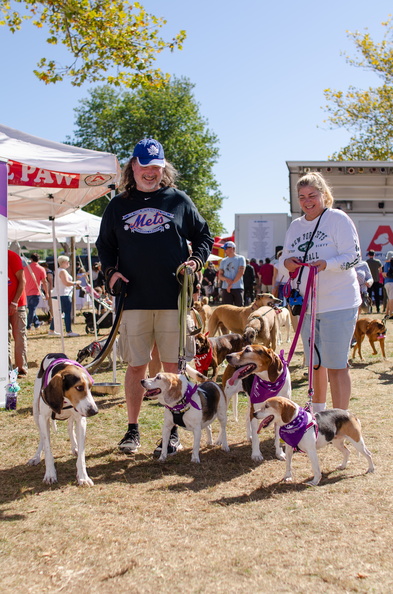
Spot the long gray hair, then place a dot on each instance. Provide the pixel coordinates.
(128, 180)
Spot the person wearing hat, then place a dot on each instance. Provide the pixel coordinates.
(375, 267)
(231, 273)
(387, 274)
(143, 240)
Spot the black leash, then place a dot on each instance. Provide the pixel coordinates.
(113, 333)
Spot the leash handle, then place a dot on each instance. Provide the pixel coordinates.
(184, 304)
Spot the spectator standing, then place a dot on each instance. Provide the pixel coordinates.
(256, 267)
(64, 286)
(143, 240)
(98, 277)
(249, 283)
(208, 280)
(231, 273)
(17, 313)
(36, 285)
(50, 284)
(387, 274)
(266, 272)
(328, 240)
(375, 267)
(365, 280)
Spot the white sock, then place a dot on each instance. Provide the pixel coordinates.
(318, 406)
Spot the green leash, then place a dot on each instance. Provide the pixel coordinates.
(184, 306)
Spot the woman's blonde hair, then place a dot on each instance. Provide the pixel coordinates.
(316, 180)
(62, 259)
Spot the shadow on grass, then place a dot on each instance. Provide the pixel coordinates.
(109, 467)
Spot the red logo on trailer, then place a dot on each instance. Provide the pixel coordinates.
(383, 236)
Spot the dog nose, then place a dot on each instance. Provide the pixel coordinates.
(91, 411)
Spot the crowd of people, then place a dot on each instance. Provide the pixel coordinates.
(144, 241)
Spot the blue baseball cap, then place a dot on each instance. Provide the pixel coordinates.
(229, 244)
(149, 152)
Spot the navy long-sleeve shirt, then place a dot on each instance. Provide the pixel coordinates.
(144, 236)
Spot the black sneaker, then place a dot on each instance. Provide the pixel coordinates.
(174, 446)
(130, 442)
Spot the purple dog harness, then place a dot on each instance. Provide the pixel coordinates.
(186, 400)
(262, 389)
(293, 432)
(62, 362)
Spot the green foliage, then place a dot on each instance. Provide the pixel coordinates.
(112, 41)
(369, 113)
(114, 121)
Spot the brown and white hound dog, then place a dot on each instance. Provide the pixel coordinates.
(62, 391)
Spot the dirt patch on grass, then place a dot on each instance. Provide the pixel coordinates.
(226, 525)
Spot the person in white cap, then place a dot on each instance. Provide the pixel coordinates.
(143, 240)
(231, 273)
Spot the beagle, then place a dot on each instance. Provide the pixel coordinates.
(301, 430)
(261, 373)
(192, 406)
(62, 391)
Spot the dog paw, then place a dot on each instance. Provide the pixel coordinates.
(257, 457)
(195, 459)
(314, 482)
(162, 458)
(341, 467)
(74, 451)
(287, 479)
(50, 479)
(34, 461)
(280, 455)
(85, 481)
(225, 447)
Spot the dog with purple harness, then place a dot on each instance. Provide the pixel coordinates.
(62, 391)
(261, 373)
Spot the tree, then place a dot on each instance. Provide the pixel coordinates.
(369, 113)
(112, 41)
(114, 121)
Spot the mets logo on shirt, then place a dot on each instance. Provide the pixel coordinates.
(147, 220)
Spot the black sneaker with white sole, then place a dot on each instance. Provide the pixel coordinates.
(174, 446)
(130, 442)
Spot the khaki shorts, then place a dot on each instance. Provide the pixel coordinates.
(141, 328)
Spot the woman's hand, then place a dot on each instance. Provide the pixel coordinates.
(292, 264)
(319, 265)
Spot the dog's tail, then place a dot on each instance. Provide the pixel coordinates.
(195, 375)
(213, 323)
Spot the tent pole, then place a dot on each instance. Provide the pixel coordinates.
(56, 282)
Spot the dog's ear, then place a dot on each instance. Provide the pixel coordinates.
(53, 393)
(287, 411)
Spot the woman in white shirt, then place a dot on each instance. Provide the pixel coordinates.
(63, 288)
(334, 251)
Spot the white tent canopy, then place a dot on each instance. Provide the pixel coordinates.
(48, 179)
(79, 224)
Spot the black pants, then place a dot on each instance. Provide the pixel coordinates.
(375, 290)
(235, 297)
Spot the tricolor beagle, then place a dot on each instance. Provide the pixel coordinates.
(299, 429)
(62, 392)
(193, 407)
(261, 373)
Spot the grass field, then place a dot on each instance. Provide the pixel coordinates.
(227, 525)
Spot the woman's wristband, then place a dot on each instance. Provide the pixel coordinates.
(13, 303)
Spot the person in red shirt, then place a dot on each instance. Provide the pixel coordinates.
(266, 272)
(35, 280)
(17, 313)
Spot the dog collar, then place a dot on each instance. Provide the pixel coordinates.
(262, 389)
(186, 400)
(62, 362)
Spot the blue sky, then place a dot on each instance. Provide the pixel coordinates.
(259, 71)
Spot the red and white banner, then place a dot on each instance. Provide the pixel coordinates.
(21, 174)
